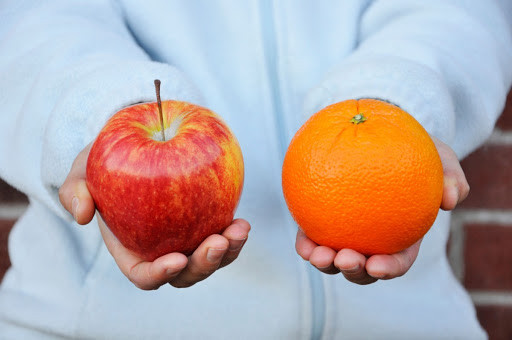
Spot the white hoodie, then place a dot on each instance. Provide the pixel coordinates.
(264, 66)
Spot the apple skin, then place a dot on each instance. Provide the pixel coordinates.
(159, 197)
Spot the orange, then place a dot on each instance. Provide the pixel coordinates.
(365, 175)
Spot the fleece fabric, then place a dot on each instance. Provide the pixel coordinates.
(264, 66)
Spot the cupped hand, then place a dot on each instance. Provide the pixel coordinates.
(180, 271)
(363, 270)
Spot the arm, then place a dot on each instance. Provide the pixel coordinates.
(66, 67)
(445, 62)
(69, 66)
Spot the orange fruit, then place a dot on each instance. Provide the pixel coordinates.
(365, 175)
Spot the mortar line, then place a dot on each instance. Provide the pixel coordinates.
(500, 217)
(488, 298)
(456, 250)
(500, 137)
(12, 211)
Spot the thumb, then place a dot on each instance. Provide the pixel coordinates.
(73, 194)
(456, 187)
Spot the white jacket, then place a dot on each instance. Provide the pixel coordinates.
(67, 66)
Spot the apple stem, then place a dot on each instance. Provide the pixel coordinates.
(159, 101)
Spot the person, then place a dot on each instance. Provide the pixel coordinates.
(264, 66)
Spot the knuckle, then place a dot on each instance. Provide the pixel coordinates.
(64, 194)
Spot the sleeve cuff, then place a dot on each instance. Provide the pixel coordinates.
(415, 88)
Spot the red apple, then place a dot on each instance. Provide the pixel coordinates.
(158, 195)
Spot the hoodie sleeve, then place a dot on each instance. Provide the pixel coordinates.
(65, 68)
(448, 63)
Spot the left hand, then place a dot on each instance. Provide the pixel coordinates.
(358, 268)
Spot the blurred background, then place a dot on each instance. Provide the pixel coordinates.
(480, 246)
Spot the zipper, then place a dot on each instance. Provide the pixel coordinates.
(267, 16)
(270, 53)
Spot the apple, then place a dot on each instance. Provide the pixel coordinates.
(163, 182)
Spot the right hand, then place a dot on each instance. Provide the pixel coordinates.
(215, 252)
(364, 270)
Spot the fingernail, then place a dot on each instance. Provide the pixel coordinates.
(352, 270)
(322, 268)
(378, 275)
(235, 245)
(74, 206)
(378, 271)
(214, 255)
(171, 271)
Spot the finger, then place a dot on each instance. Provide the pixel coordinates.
(455, 184)
(73, 194)
(236, 234)
(323, 259)
(144, 275)
(391, 266)
(304, 245)
(352, 266)
(152, 275)
(455, 188)
(203, 262)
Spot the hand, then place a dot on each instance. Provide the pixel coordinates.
(176, 269)
(358, 268)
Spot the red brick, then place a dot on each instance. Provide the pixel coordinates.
(5, 263)
(9, 194)
(487, 257)
(489, 174)
(505, 120)
(496, 320)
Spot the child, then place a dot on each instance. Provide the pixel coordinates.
(264, 66)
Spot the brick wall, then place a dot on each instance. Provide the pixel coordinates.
(12, 205)
(480, 248)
